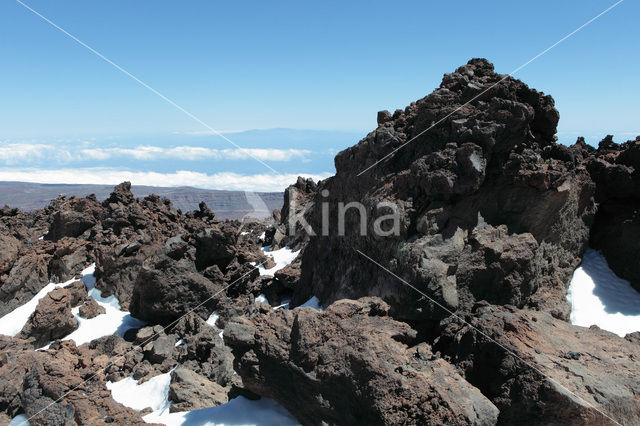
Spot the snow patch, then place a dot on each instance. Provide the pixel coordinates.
(153, 393)
(19, 420)
(282, 258)
(113, 320)
(212, 319)
(598, 296)
(179, 343)
(238, 411)
(314, 303)
(262, 299)
(12, 323)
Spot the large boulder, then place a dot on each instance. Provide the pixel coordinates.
(73, 217)
(52, 318)
(167, 289)
(351, 364)
(27, 277)
(190, 391)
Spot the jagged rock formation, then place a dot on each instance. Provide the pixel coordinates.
(490, 207)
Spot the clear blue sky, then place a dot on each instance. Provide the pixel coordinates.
(293, 64)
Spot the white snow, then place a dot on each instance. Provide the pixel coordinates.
(12, 323)
(282, 258)
(284, 304)
(212, 322)
(105, 324)
(314, 303)
(262, 299)
(262, 236)
(238, 411)
(212, 319)
(179, 343)
(19, 420)
(153, 393)
(599, 297)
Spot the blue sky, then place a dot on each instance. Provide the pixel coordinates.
(324, 66)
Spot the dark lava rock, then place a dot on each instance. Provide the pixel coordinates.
(73, 217)
(616, 231)
(482, 214)
(31, 381)
(351, 365)
(165, 291)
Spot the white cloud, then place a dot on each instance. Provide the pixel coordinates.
(104, 176)
(23, 153)
(16, 153)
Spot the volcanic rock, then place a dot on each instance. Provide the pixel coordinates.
(616, 231)
(52, 318)
(90, 309)
(351, 365)
(535, 367)
(165, 291)
(27, 277)
(190, 391)
(45, 385)
(481, 213)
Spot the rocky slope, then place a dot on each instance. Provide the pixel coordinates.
(493, 218)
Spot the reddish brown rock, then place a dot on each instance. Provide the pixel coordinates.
(90, 309)
(351, 365)
(50, 387)
(27, 277)
(545, 370)
(190, 391)
(51, 320)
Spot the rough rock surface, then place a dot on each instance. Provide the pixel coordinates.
(90, 309)
(555, 373)
(51, 320)
(190, 391)
(616, 231)
(351, 365)
(489, 206)
(33, 381)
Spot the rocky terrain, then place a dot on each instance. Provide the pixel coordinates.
(226, 204)
(493, 218)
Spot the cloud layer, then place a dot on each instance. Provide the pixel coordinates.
(104, 176)
(25, 153)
